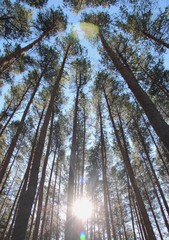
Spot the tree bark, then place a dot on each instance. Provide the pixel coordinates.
(11, 148)
(126, 159)
(26, 202)
(156, 40)
(7, 60)
(70, 225)
(41, 185)
(104, 162)
(160, 126)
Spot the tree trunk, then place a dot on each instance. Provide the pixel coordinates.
(41, 185)
(7, 60)
(152, 210)
(126, 159)
(160, 126)
(11, 148)
(70, 224)
(151, 166)
(156, 40)
(26, 202)
(104, 163)
(15, 109)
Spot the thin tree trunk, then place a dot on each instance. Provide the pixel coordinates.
(152, 210)
(4, 113)
(70, 228)
(42, 181)
(7, 60)
(46, 200)
(8, 173)
(104, 162)
(84, 145)
(58, 209)
(131, 209)
(53, 199)
(160, 126)
(26, 202)
(156, 40)
(111, 213)
(139, 221)
(157, 148)
(11, 148)
(151, 166)
(126, 159)
(15, 109)
(158, 199)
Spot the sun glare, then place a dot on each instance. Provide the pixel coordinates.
(82, 208)
(84, 30)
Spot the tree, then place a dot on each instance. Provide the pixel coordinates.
(15, 21)
(27, 198)
(48, 23)
(82, 67)
(160, 126)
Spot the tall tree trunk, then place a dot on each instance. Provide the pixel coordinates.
(7, 60)
(126, 159)
(84, 145)
(4, 112)
(160, 126)
(151, 166)
(111, 213)
(156, 40)
(157, 148)
(70, 224)
(26, 202)
(14, 110)
(152, 210)
(104, 163)
(131, 209)
(11, 148)
(53, 198)
(46, 200)
(42, 181)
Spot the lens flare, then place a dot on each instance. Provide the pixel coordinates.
(85, 30)
(82, 236)
(82, 209)
(90, 30)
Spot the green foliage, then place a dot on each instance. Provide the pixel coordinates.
(36, 3)
(100, 19)
(15, 21)
(80, 5)
(51, 21)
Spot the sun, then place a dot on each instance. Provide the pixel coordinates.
(82, 208)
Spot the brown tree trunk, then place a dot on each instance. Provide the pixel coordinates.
(53, 196)
(84, 145)
(131, 208)
(111, 213)
(46, 201)
(41, 185)
(15, 109)
(126, 159)
(152, 210)
(104, 166)
(70, 225)
(26, 202)
(156, 40)
(160, 126)
(11, 148)
(151, 166)
(7, 60)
